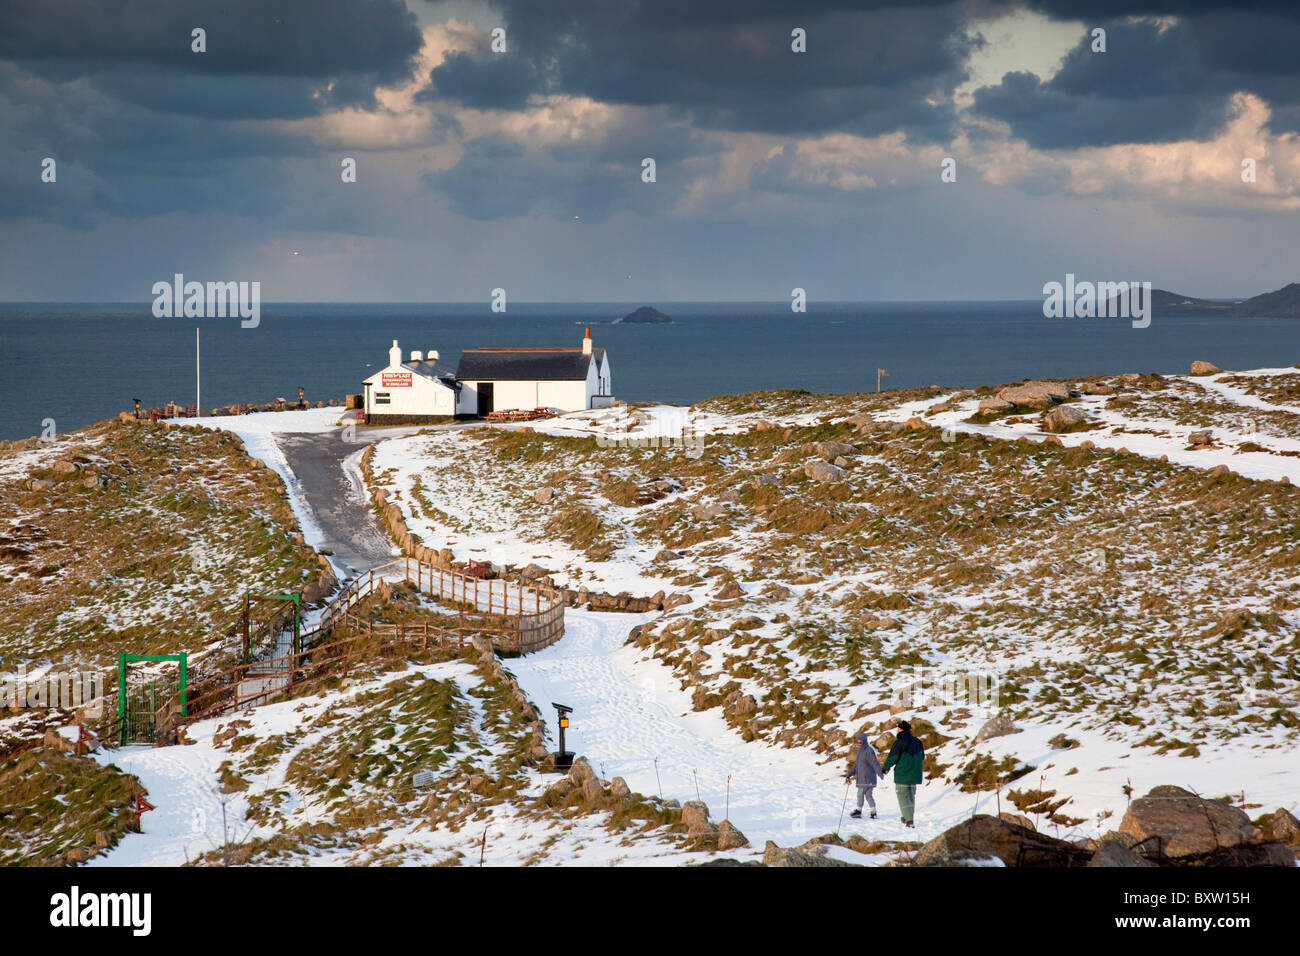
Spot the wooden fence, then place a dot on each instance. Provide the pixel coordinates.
(515, 617)
(536, 613)
(247, 685)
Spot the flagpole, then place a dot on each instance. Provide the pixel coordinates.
(197, 407)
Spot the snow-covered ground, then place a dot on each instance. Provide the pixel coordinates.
(187, 822)
(636, 710)
(633, 718)
(258, 431)
(479, 526)
(191, 815)
(1170, 437)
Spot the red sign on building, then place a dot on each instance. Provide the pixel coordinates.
(396, 380)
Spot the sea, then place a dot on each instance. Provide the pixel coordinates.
(77, 363)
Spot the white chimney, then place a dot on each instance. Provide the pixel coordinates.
(417, 355)
(586, 342)
(395, 354)
(432, 355)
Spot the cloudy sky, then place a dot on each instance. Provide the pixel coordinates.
(522, 169)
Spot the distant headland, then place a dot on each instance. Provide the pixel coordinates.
(1284, 303)
(644, 316)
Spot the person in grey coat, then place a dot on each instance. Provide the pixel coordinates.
(866, 770)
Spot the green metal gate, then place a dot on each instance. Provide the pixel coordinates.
(139, 715)
(138, 707)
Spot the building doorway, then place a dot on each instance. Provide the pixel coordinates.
(485, 398)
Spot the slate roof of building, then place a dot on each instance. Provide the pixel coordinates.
(547, 365)
(436, 370)
(431, 369)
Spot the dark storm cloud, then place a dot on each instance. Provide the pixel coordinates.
(1155, 82)
(1114, 9)
(727, 65)
(222, 98)
(1255, 53)
(264, 59)
(314, 38)
(140, 125)
(117, 159)
(1148, 87)
(482, 83)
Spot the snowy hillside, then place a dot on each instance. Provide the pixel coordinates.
(1074, 591)
(1135, 613)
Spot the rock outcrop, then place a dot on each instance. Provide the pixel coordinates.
(830, 450)
(824, 471)
(1064, 418)
(1115, 854)
(1183, 824)
(1034, 395)
(810, 854)
(994, 406)
(984, 836)
(999, 726)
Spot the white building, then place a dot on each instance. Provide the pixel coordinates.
(420, 390)
(414, 392)
(563, 380)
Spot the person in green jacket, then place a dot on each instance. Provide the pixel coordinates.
(908, 755)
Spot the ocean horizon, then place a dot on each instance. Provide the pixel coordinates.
(80, 362)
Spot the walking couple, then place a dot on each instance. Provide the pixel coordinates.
(905, 759)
